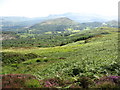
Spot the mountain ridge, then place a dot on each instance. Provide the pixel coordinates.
(57, 24)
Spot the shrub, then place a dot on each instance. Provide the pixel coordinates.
(32, 83)
(12, 57)
(55, 82)
(75, 71)
(84, 82)
(106, 84)
(38, 60)
(19, 81)
(31, 55)
(45, 60)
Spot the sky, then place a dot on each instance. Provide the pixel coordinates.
(42, 8)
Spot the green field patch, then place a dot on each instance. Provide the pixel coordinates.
(48, 32)
(76, 31)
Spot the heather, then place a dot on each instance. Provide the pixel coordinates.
(30, 81)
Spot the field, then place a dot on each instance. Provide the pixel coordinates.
(93, 57)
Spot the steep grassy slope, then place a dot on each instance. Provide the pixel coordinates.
(93, 57)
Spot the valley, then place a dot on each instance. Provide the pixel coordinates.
(64, 53)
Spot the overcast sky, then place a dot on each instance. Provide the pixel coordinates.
(41, 8)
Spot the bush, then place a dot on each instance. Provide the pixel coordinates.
(84, 82)
(31, 55)
(45, 60)
(106, 84)
(12, 57)
(19, 81)
(38, 60)
(52, 82)
(32, 83)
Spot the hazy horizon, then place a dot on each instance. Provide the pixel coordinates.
(43, 8)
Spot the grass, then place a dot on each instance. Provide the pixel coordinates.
(91, 58)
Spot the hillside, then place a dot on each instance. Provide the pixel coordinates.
(58, 24)
(90, 58)
(20, 24)
(60, 53)
(64, 24)
(84, 17)
(53, 39)
(7, 35)
(13, 23)
(112, 23)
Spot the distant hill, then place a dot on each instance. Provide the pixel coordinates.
(85, 17)
(11, 23)
(112, 23)
(19, 24)
(58, 24)
(64, 23)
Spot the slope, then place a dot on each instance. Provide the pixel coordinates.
(95, 58)
(58, 24)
